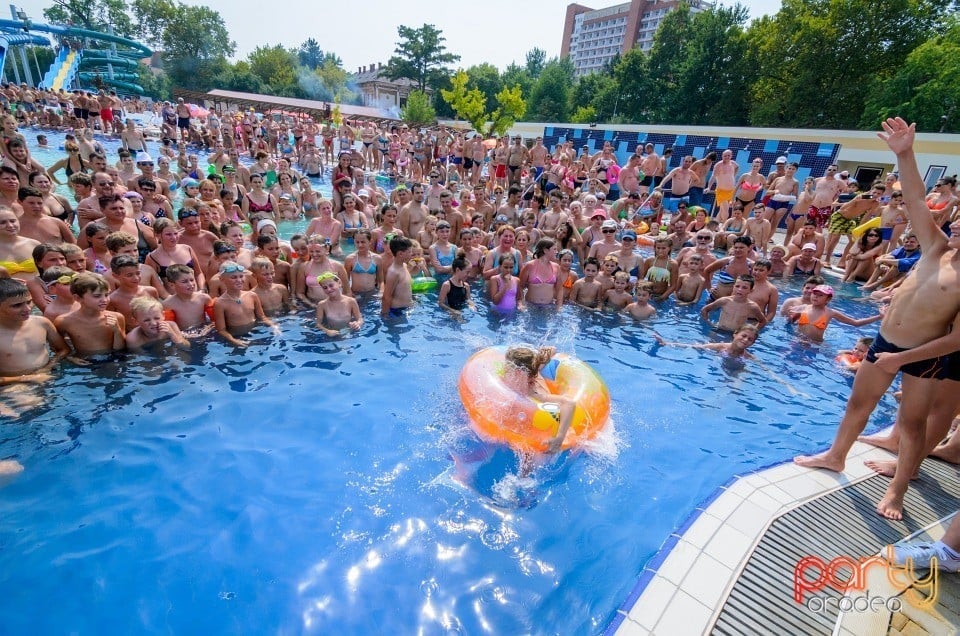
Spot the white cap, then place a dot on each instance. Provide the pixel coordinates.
(609, 223)
(810, 246)
(143, 157)
(363, 193)
(781, 159)
(264, 223)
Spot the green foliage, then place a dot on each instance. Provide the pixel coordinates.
(485, 78)
(420, 56)
(155, 85)
(584, 115)
(38, 68)
(418, 111)
(309, 54)
(666, 63)
(536, 60)
(92, 14)
(511, 107)
(468, 104)
(550, 97)
(274, 66)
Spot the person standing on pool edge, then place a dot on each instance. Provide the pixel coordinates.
(522, 374)
(922, 310)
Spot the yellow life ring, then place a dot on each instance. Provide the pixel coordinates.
(524, 422)
(869, 225)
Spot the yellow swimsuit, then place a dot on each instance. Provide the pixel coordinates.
(26, 267)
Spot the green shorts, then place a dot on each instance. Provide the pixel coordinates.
(840, 225)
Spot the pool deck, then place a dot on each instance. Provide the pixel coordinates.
(722, 554)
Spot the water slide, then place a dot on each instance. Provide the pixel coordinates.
(100, 62)
(63, 69)
(18, 39)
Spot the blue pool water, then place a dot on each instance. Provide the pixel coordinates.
(319, 486)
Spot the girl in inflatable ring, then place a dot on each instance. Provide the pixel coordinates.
(525, 367)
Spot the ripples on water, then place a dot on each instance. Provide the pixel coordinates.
(315, 485)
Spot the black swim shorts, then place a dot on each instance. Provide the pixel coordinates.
(931, 369)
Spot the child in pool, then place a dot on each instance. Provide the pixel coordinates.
(455, 291)
(641, 309)
(126, 271)
(397, 293)
(274, 297)
(522, 373)
(25, 338)
(605, 276)
(691, 285)
(502, 288)
(75, 257)
(743, 338)
(618, 297)
(803, 298)
(237, 310)
(151, 327)
(587, 291)
(188, 307)
(812, 319)
(417, 265)
(57, 280)
(91, 328)
(853, 357)
(336, 311)
(736, 308)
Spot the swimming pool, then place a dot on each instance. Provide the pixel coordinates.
(312, 485)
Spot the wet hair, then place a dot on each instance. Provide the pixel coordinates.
(745, 240)
(747, 278)
(459, 264)
(591, 261)
(266, 239)
(28, 191)
(543, 245)
(644, 286)
(161, 224)
(621, 275)
(866, 341)
(107, 199)
(88, 282)
(43, 249)
(116, 241)
(178, 271)
(13, 288)
(142, 304)
(81, 178)
(94, 228)
(119, 262)
(399, 244)
(260, 264)
(53, 273)
(814, 280)
(752, 328)
(763, 262)
(529, 359)
(223, 247)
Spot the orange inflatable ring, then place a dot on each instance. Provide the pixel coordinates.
(525, 423)
(848, 360)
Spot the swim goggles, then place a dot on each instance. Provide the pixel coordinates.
(326, 276)
(66, 279)
(232, 268)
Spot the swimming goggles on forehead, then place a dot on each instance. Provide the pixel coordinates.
(326, 276)
(66, 279)
(232, 268)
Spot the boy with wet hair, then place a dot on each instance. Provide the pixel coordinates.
(188, 307)
(735, 309)
(151, 326)
(126, 271)
(25, 339)
(91, 328)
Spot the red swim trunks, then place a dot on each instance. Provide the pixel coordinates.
(819, 215)
(501, 171)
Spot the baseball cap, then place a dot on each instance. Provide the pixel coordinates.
(363, 193)
(809, 246)
(781, 159)
(609, 223)
(599, 213)
(143, 157)
(630, 234)
(827, 290)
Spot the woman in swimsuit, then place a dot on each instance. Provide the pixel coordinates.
(285, 186)
(506, 236)
(861, 260)
(502, 287)
(729, 268)
(540, 282)
(660, 270)
(942, 202)
(805, 263)
(71, 164)
(812, 319)
(442, 251)
(259, 201)
(326, 225)
(57, 205)
(363, 266)
(523, 247)
(382, 234)
(350, 218)
(16, 252)
(308, 198)
(567, 236)
(749, 186)
(170, 252)
(307, 288)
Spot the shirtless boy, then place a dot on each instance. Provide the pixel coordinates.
(336, 311)
(692, 283)
(186, 305)
(126, 271)
(736, 309)
(922, 310)
(586, 291)
(397, 292)
(274, 297)
(827, 188)
(91, 328)
(641, 309)
(24, 338)
(151, 327)
(737, 348)
(237, 310)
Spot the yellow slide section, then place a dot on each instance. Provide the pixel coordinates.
(64, 69)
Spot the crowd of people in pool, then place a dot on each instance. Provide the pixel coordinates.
(156, 251)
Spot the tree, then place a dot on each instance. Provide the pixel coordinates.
(195, 44)
(516, 75)
(309, 54)
(550, 97)
(420, 56)
(666, 62)
(155, 85)
(510, 108)
(584, 115)
(152, 17)
(241, 78)
(95, 15)
(925, 89)
(632, 82)
(468, 104)
(274, 65)
(598, 92)
(418, 111)
(486, 78)
(536, 59)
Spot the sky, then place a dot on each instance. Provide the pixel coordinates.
(494, 31)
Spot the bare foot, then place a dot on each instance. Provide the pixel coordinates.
(885, 442)
(823, 460)
(946, 453)
(886, 467)
(891, 506)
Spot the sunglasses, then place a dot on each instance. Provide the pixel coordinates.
(232, 268)
(186, 214)
(703, 238)
(609, 231)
